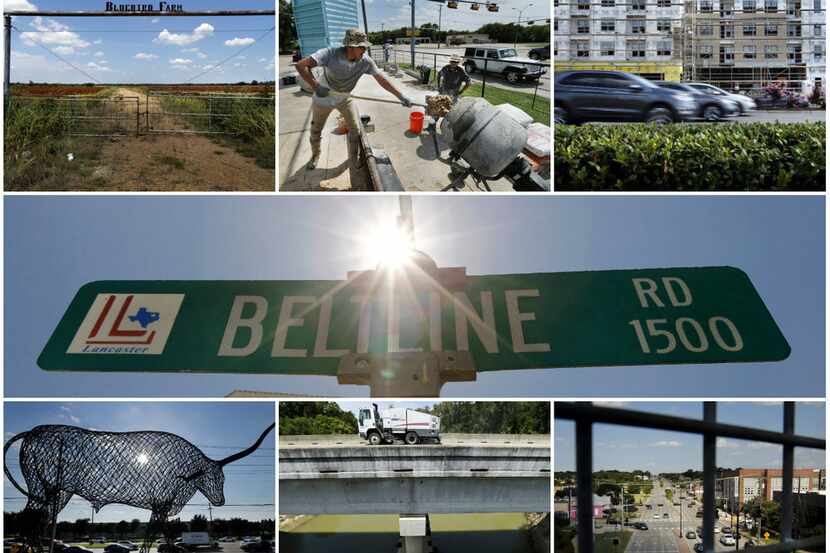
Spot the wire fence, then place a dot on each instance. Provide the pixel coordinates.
(81, 116)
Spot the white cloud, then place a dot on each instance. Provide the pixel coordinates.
(95, 67)
(201, 55)
(143, 56)
(201, 32)
(156, 20)
(617, 404)
(239, 41)
(99, 41)
(726, 444)
(99, 54)
(180, 61)
(667, 443)
(19, 5)
(52, 33)
(64, 50)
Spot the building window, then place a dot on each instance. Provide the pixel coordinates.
(727, 55)
(583, 26)
(817, 30)
(749, 6)
(817, 6)
(637, 26)
(793, 29)
(705, 30)
(664, 3)
(726, 7)
(664, 48)
(770, 29)
(607, 3)
(555, 24)
(582, 48)
(818, 52)
(794, 53)
(727, 30)
(638, 4)
(606, 48)
(771, 52)
(705, 6)
(607, 25)
(637, 49)
(749, 52)
(555, 3)
(794, 7)
(749, 29)
(706, 52)
(663, 24)
(555, 49)
(583, 4)
(770, 6)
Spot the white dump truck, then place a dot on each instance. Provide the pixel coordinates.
(397, 423)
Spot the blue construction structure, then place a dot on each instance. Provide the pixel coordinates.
(323, 23)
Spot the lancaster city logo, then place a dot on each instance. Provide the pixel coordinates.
(127, 324)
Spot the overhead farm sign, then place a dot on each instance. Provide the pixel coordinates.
(541, 320)
(161, 7)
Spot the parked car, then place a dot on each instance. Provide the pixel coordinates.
(727, 540)
(699, 547)
(691, 535)
(504, 61)
(259, 546)
(727, 530)
(170, 548)
(116, 548)
(716, 530)
(539, 54)
(640, 526)
(745, 103)
(665, 515)
(227, 539)
(77, 549)
(656, 516)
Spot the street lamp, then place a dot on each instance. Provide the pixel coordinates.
(518, 23)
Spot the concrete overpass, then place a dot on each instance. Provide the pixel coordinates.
(464, 474)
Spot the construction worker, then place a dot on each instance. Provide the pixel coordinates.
(453, 79)
(342, 68)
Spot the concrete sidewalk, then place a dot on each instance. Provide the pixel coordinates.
(413, 156)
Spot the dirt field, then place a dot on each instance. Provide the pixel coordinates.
(163, 162)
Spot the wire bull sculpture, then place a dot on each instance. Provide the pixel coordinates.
(151, 470)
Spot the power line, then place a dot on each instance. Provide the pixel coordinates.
(60, 58)
(218, 65)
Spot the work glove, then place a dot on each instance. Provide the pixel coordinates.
(406, 102)
(321, 91)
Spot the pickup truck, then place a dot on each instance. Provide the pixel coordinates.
(504, 61)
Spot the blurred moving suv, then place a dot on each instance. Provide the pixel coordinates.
(710, 108)
(583, 96)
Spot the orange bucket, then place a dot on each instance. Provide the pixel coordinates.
(416, 122)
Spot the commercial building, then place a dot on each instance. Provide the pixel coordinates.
(737, 487)
(468, 39)
(735, 44)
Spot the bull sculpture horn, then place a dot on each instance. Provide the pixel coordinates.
(248, 451)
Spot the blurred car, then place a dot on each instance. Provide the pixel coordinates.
(539, 54)
(170, 548)
(656, 515)
(116, 548)
(699, 547)
(691, 535)
(640, 526)
(745, 103)
(77, 549)
(129, 545)
(727, 540)
(227, 539)
(258, 546)
(584, 96)
(727, 530)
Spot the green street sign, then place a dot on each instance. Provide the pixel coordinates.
(541, 320)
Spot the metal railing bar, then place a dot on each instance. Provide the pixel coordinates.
(584, 486)
(641, 419)
(787, 475)
(192, 114)
(709, 467)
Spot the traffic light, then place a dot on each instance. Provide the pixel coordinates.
(492, 7)
(452, 4)
(474, 7)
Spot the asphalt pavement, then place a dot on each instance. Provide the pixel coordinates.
(781, 116)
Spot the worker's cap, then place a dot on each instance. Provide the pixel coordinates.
(455, 59)
(356, 38)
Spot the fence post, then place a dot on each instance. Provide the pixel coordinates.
(137, 116)
(584, 485)
(8, 47)
(435, 67)
(535, 91)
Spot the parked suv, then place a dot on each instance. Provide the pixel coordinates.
(582, 96)
(504, 61)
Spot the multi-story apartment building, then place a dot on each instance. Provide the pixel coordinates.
(737, 487)
(735, 44)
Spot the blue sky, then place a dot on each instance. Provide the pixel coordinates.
(55, 244)
(394, 14)
(141, 49)
(622, 448)
(218, 429)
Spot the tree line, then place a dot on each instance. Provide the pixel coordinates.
(315, 417)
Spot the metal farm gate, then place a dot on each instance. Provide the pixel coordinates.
(172, 113)
(84, 115)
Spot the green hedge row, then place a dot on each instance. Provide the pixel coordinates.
(755, 156)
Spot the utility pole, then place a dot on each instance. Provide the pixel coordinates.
(8, 61)
(518, 24)
(412, 38)
(440, 9)
(365, 24)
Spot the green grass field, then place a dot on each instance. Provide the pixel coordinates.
(540, 110)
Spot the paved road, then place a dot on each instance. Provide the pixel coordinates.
(478, 440)
(783, 117)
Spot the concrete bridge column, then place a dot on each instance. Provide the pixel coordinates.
(416, 535)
